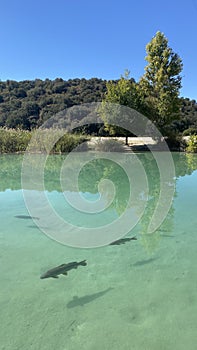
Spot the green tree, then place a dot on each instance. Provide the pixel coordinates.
(122, 92)
(160, 84)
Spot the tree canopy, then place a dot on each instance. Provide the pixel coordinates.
(123, 92)
(160, 85)
(28, 104)
(156, 95)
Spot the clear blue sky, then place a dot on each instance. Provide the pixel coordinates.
(93, 38)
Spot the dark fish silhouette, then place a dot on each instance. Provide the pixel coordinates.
(86, 299)
(26, 217)
(144, 262)
(123, 240)
(63, 269)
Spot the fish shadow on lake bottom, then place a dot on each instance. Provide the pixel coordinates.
(144, 262)
(86, 299)
(26, 217)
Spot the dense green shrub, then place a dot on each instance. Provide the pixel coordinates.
(190, 131)
(68, 142)
(108, 145)
(41, 140)
(13, 140)
(176, 142)
(192, 144)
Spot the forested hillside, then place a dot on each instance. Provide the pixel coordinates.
(27, 104)
(188, 117)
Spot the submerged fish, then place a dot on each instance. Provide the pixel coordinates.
(26, 217)
(123, 240)
(63, 269)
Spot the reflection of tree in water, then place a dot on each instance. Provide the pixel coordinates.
(98, 169)
(150, 241)
(10, 172)
(185, 164)
(10, 169)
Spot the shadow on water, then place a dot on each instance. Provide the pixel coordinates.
(144, 262)
(86, 299)
(26, 217)
(169, 236)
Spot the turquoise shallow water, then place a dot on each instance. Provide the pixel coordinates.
(140, 295)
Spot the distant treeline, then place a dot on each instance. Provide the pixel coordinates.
(28, 104)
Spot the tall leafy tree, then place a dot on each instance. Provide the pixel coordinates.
(122, 92)
(159, 86)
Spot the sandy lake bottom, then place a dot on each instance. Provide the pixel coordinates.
(140, 295)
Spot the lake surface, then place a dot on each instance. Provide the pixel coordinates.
(138, 295)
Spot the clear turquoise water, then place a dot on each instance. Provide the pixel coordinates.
(140, 295)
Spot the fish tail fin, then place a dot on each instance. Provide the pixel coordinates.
(83, 263)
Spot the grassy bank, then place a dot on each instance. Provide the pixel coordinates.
(16, 140)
